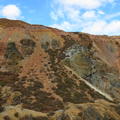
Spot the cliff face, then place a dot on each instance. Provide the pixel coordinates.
(48, 74)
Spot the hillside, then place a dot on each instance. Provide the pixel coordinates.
(49, 74)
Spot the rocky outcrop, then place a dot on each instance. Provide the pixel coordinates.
(63, 76)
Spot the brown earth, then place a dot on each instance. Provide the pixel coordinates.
(49, 74)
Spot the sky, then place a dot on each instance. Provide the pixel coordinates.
(90, 16)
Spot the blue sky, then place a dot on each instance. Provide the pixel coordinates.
(91, 16)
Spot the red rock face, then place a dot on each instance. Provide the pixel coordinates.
(44, 68)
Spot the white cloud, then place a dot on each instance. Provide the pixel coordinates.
(85, 4)
(53, 16)
(100, 27)
(101, 12)
(95, 27)
(11, 11)
(103, 27)
(112, 15)
(113, 27)
(86, 16)
(57, 14)
(64, 26)
(73, 14)
(89, 14)
(71, 9)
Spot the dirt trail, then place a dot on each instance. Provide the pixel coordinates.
(90, 85)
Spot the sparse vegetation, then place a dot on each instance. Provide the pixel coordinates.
(12, 53)
(44, 74)
(28, 46)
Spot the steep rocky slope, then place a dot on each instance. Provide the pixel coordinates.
(49, 74)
